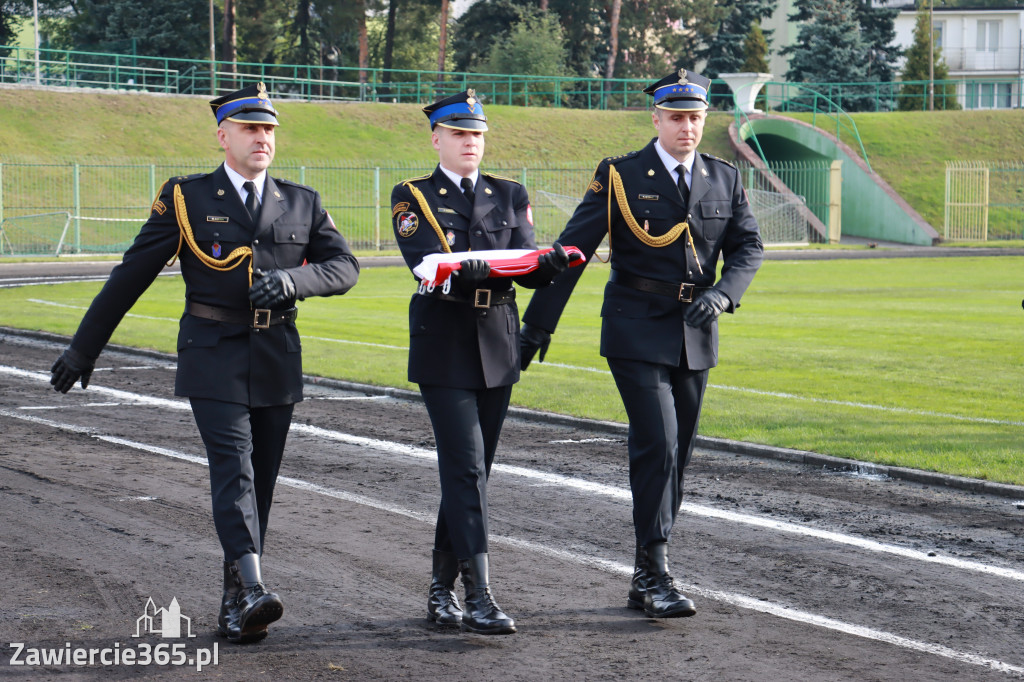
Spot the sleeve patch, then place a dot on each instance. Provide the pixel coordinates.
(159, 207)
(529, 214)
(407, 224)
(595, 186)
(399, 207)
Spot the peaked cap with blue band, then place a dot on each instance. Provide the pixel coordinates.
(248, 105)
(461, 111)
(682, 91)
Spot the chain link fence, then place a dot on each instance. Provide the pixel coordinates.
(81, 208)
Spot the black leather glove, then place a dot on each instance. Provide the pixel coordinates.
(706, 309)
(470, 274)
(69, 368)
(549, 265)
(532, 339)
(273, 290)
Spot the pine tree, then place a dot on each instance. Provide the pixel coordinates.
(755, 50)
(914, 96)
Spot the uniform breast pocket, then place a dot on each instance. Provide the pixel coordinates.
(290, 243)
(219, 239)
(714, 214)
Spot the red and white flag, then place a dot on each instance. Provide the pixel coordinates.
(435, 268)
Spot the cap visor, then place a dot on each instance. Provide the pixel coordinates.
(253, 117)
(465, 124)
(683, 105)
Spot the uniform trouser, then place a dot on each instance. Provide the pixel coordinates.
(244, 447)
(466, 425)
(663, 406)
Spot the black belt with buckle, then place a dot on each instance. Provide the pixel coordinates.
(260, 318)
(683, 291)
(481, 298)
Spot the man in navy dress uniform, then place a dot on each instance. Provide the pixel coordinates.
(464, 343)
(670, 215)
(250, 245)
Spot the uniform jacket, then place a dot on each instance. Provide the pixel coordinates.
(644, 326)
(452, 344)
(216, 360)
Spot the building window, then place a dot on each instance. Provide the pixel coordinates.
(981, 95)
(988, 36)
(938, 30)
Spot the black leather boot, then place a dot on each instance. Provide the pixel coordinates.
(481, 614)
(662, 599)
(227, 621)
(638, 585)
(255, 606)
(442, 604)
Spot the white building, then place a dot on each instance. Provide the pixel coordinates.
(983, 48)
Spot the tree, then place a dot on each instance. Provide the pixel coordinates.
(755, 51)
(914, 96)
(724, 48)
(484, 24)
(160, 29)
(829, 47)
(535, 46)
(878, 28)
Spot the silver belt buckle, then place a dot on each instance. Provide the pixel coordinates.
(482, 298)
(686, 292)
(263, 323)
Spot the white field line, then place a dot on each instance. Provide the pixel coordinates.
(596, 370)
(734, 599)
(578, 484)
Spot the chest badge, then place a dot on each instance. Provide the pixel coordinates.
(216, 250)
(648, 197)
(451, 238)
(407, 224)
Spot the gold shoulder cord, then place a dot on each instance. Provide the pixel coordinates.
(229, 262)
(656, 242)
(425, 207)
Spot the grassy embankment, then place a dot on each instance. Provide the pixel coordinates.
(912, 362)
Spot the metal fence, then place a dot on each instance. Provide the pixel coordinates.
(78, 208)
(984, 200)
(129, 72)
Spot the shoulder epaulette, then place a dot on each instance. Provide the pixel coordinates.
(177, 180)
(416, 179)
(499, 177)
(627, 155)
(712, 157)
(291, 183)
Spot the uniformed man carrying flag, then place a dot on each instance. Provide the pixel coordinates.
(243, 238)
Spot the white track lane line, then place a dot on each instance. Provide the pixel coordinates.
(596, 370)
(738, 600)
(578, 484)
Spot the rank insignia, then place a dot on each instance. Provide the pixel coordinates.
(217, 219)
(451, 238)
(407, 224)
(595, 186)
(399, 207)
(216, 250)
(159, 207)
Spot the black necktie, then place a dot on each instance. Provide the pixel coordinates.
(252, 204)
(467, 188)
(684, 191)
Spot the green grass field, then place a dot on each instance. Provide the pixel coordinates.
(909, 362)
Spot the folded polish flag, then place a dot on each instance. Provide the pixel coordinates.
(435, 268)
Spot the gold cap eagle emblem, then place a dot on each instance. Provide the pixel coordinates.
(471, 98)
(682, 77)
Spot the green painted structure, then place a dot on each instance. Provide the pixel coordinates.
(870, 207)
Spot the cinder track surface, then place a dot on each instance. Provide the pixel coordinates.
(798, 574)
